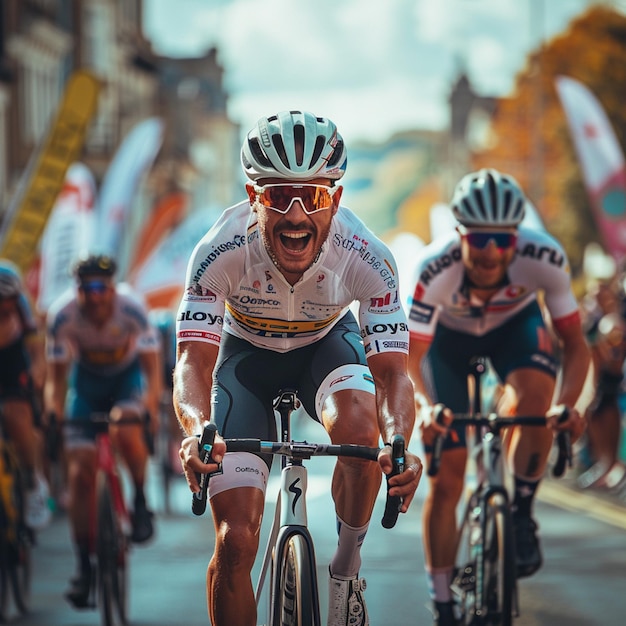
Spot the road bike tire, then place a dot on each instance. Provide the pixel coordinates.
(111, 552)
(4, 573)
(499, 562)
(16, 540)
(20, 550)
(295, 598)
(20, 570)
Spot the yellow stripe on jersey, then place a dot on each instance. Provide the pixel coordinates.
(269, 326)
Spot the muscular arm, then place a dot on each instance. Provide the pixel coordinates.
(575, 362)
(193, 377)
(55, 388)
(394, 394)
(152, 370)
(417, 352)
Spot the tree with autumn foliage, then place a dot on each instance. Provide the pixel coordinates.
(530, 137)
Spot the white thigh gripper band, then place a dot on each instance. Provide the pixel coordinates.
(352, 376)
(239, 469)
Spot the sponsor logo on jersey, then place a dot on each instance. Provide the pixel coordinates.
(245, 299)
(383, 266)
(198, 293)
(386, 329)
(278, 328)
(340, 380)
(395, 345)
(384, 304)
(421, 313)
(216, 250)
(438, 265)
(541, 253)
(200, 316)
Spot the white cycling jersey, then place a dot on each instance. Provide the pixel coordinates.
(233, 285)
(442, 294)
(103, 350)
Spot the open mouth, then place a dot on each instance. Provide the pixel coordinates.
(295, 241)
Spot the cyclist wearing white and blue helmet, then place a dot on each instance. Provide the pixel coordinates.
(267, 306)
(476, 295)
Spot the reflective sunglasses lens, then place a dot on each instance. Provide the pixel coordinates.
(280, 198)
(481, 240)
(94, 287)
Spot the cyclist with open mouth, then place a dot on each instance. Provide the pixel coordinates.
(267, 306)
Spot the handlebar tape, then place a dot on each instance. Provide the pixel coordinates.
(205, 446)
(393, 504)
(564, 442)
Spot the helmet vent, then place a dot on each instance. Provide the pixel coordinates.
(337, 152)
(319, 146)
(298, 142)
(507, 203)
(493, 192)
(481, 205)
(259, 154)
(279, 146)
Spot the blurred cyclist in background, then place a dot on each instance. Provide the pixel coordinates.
(22, 373)
(103, 356)
(476, 295)
(605, 328)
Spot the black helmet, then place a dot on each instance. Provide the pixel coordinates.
(95, 265)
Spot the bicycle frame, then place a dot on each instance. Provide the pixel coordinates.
(486, 584)
(289, 554)
(289, 519)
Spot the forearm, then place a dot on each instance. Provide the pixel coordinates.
(396, 409)
(576, 360)
(192, 390)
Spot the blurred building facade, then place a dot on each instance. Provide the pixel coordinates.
(42, 42)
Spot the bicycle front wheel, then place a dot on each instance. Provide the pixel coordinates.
(294, 590)
(111, 550)
(499, 562)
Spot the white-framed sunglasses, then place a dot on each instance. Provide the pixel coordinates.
(280, 197)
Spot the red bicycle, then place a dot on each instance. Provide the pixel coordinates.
(110, 526)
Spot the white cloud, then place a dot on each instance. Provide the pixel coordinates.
(374, 69)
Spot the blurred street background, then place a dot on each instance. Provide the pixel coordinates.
(120, 129)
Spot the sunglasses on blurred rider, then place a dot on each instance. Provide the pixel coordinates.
(94, 286)
(280, 197)
(481, 238)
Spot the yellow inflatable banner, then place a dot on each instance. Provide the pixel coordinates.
(27, 216)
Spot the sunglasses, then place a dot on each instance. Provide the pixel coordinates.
(480, 239)
(94, 286)
(280, 197)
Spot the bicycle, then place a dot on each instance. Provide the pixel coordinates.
(110, 525)
(485, 583)
(289, 554)
(16, 538)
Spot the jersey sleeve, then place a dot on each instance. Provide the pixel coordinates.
(382, 318)
(201, 312)
(557, 286)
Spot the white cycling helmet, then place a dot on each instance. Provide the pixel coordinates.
(488, 198)
(272, 148)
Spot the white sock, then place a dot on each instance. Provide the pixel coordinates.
(347, 559)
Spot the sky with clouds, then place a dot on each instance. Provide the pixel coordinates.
(372, 67)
